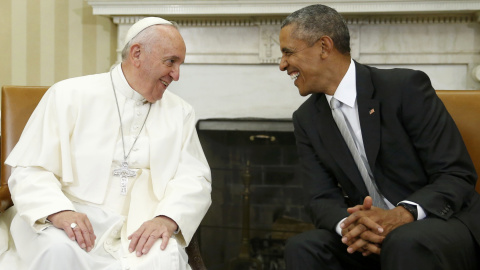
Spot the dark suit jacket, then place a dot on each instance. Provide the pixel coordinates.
(412, 144)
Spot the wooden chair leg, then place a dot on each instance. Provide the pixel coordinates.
(194, 256)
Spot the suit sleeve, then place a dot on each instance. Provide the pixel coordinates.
(440, 147)
(325, 201)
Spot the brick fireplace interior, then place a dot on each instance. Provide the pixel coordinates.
(257, 196)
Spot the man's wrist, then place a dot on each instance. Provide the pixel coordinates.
(412, 209)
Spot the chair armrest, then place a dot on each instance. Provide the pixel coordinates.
(194, 256)
(5, 198)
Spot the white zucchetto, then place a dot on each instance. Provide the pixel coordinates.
(141, 25)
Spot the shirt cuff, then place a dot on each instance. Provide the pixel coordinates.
(421, 213)
(338, 229)
(42, 224)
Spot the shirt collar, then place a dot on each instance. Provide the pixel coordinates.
(122, 86)
(347, 89)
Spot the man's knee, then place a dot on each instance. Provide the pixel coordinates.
(403, 239)
(405, 248)
(430, 244)
(307, 240)
(304, 251)
(293, 244)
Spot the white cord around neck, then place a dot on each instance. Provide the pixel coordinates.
(125, 156)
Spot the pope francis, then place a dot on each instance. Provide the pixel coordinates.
(109, 172)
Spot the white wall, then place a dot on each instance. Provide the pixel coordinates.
(230, 91)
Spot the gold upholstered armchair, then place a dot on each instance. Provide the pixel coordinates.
(18, 103)
(464, 107)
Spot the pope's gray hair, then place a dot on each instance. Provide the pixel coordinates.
(313, 22)
(145, 37)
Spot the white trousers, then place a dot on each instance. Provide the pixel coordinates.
(51, 248)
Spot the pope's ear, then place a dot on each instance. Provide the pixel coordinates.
(134, 53)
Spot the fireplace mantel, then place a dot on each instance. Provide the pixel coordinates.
(178, 8)
(231, 66)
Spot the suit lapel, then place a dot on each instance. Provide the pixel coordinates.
(369, 114)
(335, 144)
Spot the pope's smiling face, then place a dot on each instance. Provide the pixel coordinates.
(302, 62)
(160, 63)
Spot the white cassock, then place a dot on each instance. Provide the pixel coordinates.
(65, 159)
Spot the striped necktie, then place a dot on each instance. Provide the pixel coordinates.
(362, 163)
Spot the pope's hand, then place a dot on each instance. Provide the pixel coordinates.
(82, 232)
(143, 239)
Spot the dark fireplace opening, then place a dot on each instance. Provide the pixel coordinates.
(257, 196)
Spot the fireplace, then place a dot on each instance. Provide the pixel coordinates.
(257, 195)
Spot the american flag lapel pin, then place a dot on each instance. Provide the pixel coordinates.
(372, 110)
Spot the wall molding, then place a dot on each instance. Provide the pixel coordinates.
(351, 20)
(412, 19)
(279, 7)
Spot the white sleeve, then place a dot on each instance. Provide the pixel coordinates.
(37, 193)
(187, 195)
